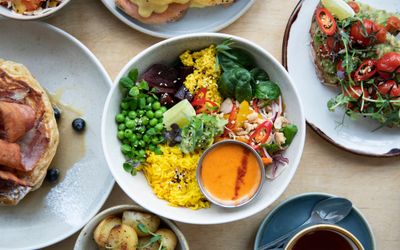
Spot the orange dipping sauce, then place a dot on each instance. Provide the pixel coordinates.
(230, 173)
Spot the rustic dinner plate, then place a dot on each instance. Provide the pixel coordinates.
(359, 136)
(67, 69)
(210, 19)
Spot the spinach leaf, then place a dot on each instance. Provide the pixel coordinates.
(259, 75)
(267, 90)
(235, 58)
(243, 91)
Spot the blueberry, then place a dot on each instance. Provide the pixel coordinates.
(52, 175)
(57, 113)
(78, 124)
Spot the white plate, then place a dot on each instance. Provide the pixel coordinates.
(60, 63)
(210, 19)
(354, 136)
(137, 188)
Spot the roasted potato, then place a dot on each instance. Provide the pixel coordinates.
(144, 244)
(133, 219)
(102, 231)
(168, 238)
(122, 237)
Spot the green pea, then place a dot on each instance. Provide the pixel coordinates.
(141, 143)
(150, 114)
(158, 151)
(159, 127)
(146, 138)
(158, 114)
(124, 105)
(150, 99)
(151, 131)
(156, 105)
(134, 91)
(120, 135)
(142, 153)
(153, 122)
(132, 114)
(121, 126)
(141, 112)
(133, 138)
(128, 133)
(155, 140)
(125, 148)
(139, 136)
(163, 109)
(120, 118)
(124, 112)
(145, 120)
(142, 129)
(152, 147)
(130, 124)
(148, 107)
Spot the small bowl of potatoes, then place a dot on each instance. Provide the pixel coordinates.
(130, 227)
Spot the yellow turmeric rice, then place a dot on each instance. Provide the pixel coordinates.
(205, 74)
(172, 176)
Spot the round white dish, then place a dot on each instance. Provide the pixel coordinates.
(136, 187)
(46, 13)
(354, 136)
(196, 20)
(61, 64)
(85, 240)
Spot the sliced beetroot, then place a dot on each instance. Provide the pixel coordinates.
(162, 76)
(167, 99)
(183, 72)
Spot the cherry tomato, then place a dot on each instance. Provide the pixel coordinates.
(389, 63)
(32, 5)
(334, 44)
(339, 66)
(357, 92)
(391, 86)
(375, 33)
(326, 22)
(354, 6)
(366, 70)
(393, 24)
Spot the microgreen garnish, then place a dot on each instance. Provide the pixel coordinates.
(154, 239)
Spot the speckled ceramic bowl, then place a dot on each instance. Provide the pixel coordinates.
(85, 240)
(42, 15)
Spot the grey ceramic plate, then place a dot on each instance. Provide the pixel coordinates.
(294, 211)
(196, 20)
(65, 66)
(353, 136)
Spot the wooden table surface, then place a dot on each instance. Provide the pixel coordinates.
(372, 184)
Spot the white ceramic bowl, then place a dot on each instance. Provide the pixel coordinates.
(44, 14)
(137, 188)
(85, 240)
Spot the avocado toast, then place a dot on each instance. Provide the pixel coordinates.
(360, 55)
